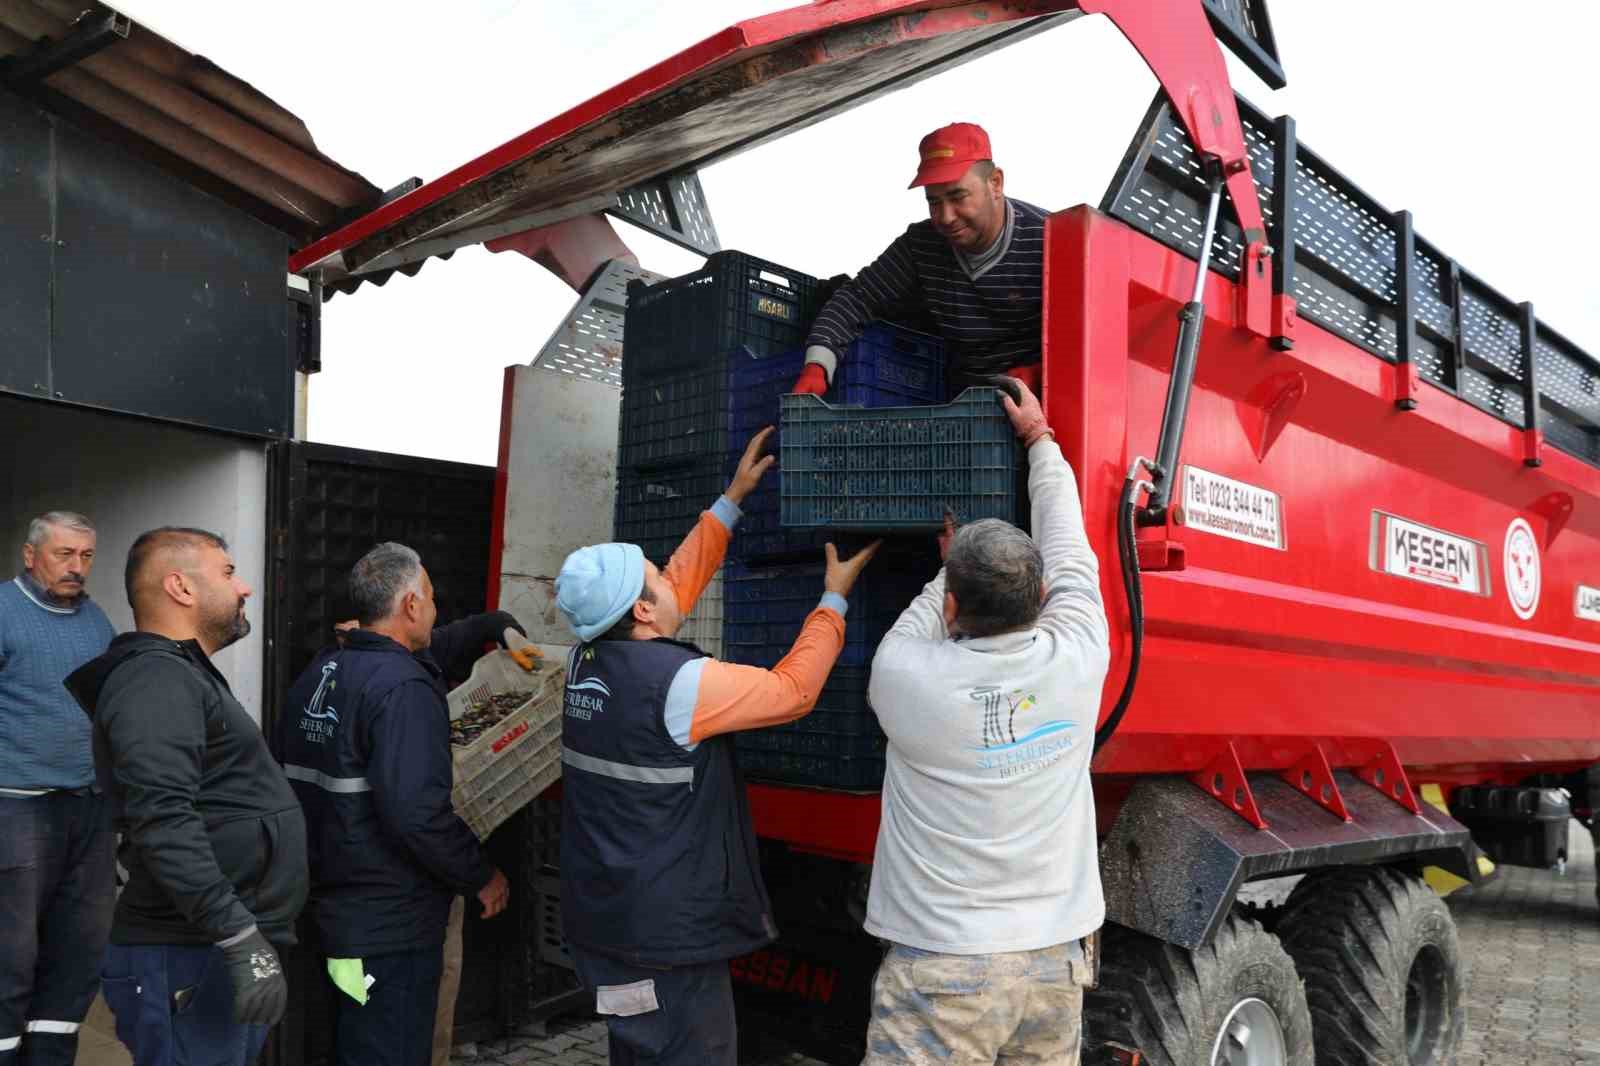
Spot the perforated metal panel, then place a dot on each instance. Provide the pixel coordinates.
(588, 344)
(673, 207)
(1345, 276)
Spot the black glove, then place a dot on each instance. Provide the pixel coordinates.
(260, 993)
(507, 620)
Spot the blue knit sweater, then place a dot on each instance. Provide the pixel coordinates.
(44, 734)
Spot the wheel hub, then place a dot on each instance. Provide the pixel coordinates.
(1251, 1035)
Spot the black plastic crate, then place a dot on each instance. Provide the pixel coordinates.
(845, 773)
(787, 738)
(657, 509)
(735, 299)
(676, 418)
(897, 468)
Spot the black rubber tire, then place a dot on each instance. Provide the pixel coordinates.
(1375, 945)
(1170, 1003)
(1594, 835)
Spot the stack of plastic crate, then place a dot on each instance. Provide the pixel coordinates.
(673, 438)
(677, 340)
(775, 578)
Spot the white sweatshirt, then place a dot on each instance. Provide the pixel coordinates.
(988, 836)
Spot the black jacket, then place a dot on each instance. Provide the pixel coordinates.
(212, 838)
(456, 647)
(365, 741)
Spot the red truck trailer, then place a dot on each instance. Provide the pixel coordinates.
(1345, 495)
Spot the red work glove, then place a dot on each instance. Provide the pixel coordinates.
(812, 380)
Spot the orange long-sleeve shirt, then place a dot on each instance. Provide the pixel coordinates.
(709, 697)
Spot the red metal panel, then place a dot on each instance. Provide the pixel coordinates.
(1274, 649)
(842, 825)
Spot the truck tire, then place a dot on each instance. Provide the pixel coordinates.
(1235, 1002)
(1382, 966)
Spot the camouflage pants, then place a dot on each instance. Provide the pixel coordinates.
(1022, 1008)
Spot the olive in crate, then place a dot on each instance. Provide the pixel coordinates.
(483, 715)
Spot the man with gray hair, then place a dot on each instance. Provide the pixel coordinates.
(365, 740)
(55, 830)
(985, 880)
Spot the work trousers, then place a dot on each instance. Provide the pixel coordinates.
(444, 1022)
(1018, 1008)
(395, 1026)
(57, 889)
(174, 1006)
(682, 1016)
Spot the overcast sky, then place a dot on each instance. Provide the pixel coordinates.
(1473, 114)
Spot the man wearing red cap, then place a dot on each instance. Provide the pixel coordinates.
(976, 265)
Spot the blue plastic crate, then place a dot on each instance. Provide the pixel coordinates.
(735, 299)
(890, 366)
(896, 469)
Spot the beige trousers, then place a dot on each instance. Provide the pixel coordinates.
(444, 1021)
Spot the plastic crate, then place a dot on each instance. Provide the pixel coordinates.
(886, 366)
(657, 509)
(735, 299)
(813, 742)
(765, 608)
(703, 627)
(899, 468)
(501, 771)
(676, 418)
(857, 774)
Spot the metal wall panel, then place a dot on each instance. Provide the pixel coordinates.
(26, 243)
(167, 302)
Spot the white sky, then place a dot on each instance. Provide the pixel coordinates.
(1470, 113)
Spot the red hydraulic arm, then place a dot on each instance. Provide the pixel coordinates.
(1177, 43)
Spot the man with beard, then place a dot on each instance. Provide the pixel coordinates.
(55, 831)
(212, 838)
(366, 740)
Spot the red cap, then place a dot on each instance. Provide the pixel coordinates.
(948, 152)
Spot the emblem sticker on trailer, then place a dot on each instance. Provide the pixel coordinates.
(1522, 568)
(1588, 603)
(1229, 508)
(1422, 553)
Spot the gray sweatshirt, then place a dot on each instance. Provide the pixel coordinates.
(988, 836)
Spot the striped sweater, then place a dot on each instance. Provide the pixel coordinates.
(989, 324)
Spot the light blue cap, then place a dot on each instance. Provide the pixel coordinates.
(598, 585)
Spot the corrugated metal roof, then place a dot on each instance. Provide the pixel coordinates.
(751, 83)
(184, 113)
